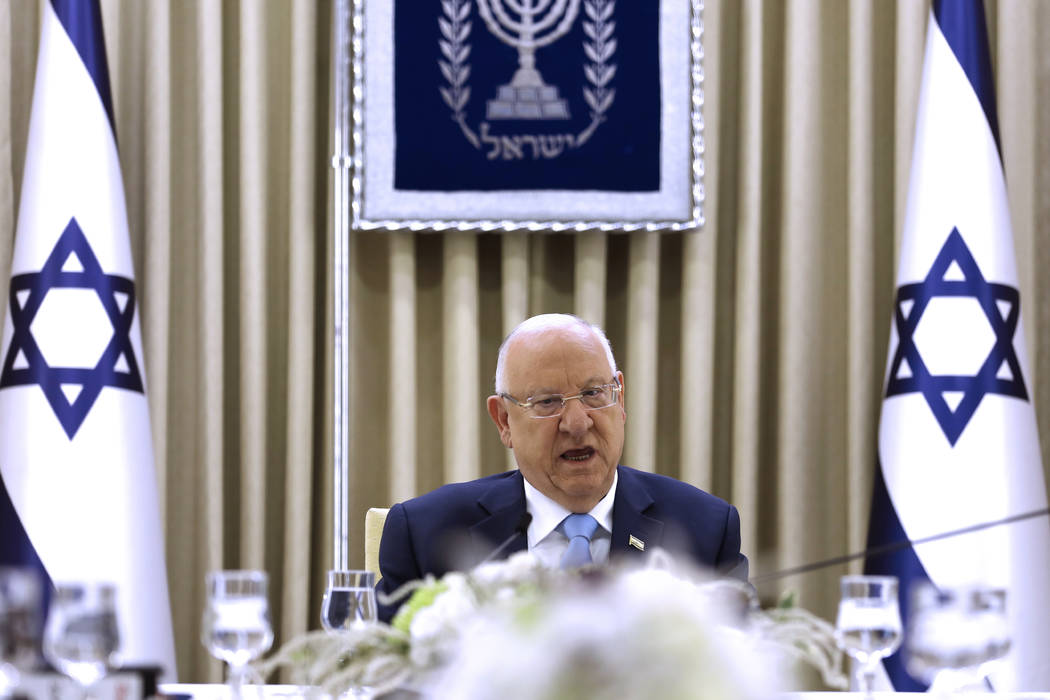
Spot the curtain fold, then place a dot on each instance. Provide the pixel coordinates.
(252, 274)
(461, 408)
(809, 313)
(747, 218)
(404, 383)
(754, 348)
(589, 277)
(638, 355)
(303, 233)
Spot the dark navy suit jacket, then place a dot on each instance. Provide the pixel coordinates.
(457, 526)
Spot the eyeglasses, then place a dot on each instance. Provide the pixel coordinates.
(552, 405)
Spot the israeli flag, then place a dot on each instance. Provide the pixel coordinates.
(958, 445)
(78, 493)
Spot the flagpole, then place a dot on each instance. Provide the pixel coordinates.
(340, 280)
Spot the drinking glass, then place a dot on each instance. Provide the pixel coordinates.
(869, 624)
(349, 604)
(19, 624)
(82, 636)
(236, 626)
(349, 600)
(955, 634)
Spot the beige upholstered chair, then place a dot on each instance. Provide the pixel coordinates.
(374, 520)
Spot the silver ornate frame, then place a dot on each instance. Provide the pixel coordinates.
(369, 53)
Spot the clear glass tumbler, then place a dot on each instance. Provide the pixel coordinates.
(349, 600)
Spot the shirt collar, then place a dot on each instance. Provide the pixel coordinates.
(547, 513)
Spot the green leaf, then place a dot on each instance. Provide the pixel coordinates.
(422, 598)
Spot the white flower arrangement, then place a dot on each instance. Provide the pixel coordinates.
(515, 629)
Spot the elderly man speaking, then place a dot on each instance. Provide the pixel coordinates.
(559, 405)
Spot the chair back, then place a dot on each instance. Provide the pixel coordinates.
(375, 518)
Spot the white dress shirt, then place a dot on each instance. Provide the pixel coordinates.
(548, 544)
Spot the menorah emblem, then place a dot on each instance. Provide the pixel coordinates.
(528, 25)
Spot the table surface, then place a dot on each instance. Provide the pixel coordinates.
(217, 691)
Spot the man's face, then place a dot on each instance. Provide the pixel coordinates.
(570, 458)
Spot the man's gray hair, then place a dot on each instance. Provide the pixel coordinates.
(545, 322)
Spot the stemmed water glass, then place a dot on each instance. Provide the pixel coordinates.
(82, 636)
(955, 634)
(869, 624)
(19, 624)
(236, 626)
(349, 600)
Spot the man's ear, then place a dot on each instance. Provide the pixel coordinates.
(499, 416)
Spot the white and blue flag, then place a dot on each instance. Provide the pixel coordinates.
(958, 444)
(78, 494)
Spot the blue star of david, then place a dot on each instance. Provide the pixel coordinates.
(912, 300)
(25, 363)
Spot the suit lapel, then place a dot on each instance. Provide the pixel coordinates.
(634, 533)
(505, 504)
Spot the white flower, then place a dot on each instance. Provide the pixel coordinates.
(647, 634)
(434, 632)
(518, 568)
(515, 629)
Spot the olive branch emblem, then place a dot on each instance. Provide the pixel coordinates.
(599, 71)
(455, 28)
(599, 46)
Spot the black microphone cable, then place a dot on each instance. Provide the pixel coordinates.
(520, 529)
(895, 546)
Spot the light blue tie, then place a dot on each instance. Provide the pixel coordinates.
(579, 528)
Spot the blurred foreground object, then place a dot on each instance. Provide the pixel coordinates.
(868, 627)
(236, 625)
(19, 625)
(82, 635)
(956, 636)
(515, 628)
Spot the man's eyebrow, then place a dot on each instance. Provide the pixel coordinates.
(589, 383)
(543, 390)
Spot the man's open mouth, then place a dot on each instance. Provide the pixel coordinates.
(578, 455)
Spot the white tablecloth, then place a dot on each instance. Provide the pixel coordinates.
(201, 691)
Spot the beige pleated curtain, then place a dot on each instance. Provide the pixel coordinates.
(753, 349)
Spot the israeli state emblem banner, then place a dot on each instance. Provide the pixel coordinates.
(537, 114)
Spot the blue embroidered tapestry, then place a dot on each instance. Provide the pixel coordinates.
(526, 95)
